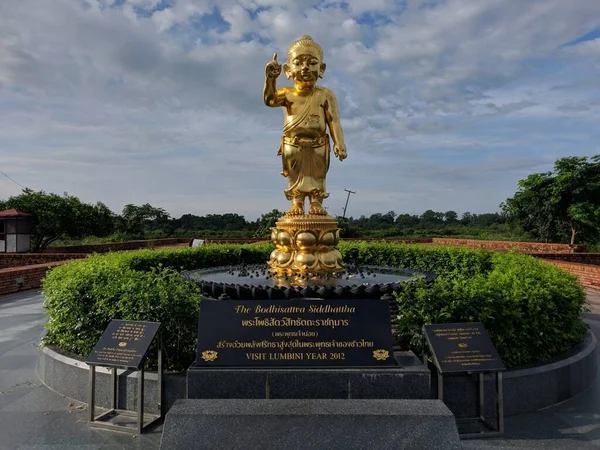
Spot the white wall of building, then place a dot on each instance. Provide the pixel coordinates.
(23, 243)
(11, 243)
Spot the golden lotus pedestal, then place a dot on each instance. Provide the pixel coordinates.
(305, 246)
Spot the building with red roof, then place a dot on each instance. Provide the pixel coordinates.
(15, 231)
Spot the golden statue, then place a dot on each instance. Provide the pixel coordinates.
(305, 242)
(308, 109)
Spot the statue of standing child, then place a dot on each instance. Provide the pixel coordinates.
(308, 110)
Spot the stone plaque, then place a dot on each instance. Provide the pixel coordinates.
(196, 243)
(300, 332)
(124, 343)
(462, 347)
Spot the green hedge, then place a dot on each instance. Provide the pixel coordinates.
(444, 261)
(82, 296)
(531, 310)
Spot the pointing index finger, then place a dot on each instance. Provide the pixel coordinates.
(275, 56)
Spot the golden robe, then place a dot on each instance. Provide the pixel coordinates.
(305, 160)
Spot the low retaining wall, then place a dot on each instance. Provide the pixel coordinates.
(29, 259)
(525, 390)
(526, 247)
(405, 240)
(70, 377)
(529, 389)
(582, 258)
(17, 279)
(586, 274)
(116, 246)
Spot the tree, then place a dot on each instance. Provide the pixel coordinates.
(577, 193)
(486, 220)
(266, 222)
(565, 201)
(135, 218)
(57, 216)
(389, 217)
(432, 218)
(407, 221)
(532, 209)
(467, 218)
(450, 217)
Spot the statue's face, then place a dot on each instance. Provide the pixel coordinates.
(304, 69)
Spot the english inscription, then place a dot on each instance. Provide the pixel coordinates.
(294, 333)
(124, 343)
(462, 347)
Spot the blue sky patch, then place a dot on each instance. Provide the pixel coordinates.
(594, 34)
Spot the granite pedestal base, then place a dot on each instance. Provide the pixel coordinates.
(310, 424)
(409, 380)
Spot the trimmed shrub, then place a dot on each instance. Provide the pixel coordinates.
(82, 296)
(444, 261)
(531, 310)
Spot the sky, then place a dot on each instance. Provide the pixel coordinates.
(445, 105)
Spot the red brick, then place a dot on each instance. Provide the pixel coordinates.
(31, 275)
(526, 247)
(587, 275)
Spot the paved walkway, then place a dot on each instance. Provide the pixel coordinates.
(593, 299)
(32, 417)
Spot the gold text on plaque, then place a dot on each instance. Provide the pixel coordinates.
(381, 355)
(122, 344)
(463, 345)
(209, 355)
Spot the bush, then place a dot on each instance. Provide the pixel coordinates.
(444, 261)
(531, 310)
(82, 296)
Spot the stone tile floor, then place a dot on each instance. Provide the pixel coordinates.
(593, 299)
(32, 417)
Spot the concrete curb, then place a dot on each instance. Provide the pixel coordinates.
(70, 377)
(529, 389)
(525, 390)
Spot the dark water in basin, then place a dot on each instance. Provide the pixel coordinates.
(259, 275)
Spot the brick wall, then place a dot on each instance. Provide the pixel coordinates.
(28, 259)
(17, 279)
(587, 275)
(266, 239)
(239, 241)
(526, 247)
(408, 240)
(583, 258)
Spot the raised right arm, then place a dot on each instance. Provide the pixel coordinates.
(272, 96)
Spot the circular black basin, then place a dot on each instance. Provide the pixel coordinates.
(247, 282)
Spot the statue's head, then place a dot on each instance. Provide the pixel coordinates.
(305, 62)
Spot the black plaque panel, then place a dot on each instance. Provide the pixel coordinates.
(462, 347)
(290, 333)
(124, 343)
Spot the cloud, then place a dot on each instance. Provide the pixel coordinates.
(447, 103)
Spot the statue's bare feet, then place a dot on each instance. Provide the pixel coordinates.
(297, 209)
(317, 210)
